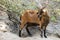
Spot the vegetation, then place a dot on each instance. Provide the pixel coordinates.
(18, 6)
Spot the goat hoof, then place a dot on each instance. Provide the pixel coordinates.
(19, 35)
(45, 36)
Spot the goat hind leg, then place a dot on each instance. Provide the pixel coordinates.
(19, 33)
(21, 27)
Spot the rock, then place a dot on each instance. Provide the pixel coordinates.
(3, 18)
(11, 36)
(54, 28)
(3, 26)
(5, 23)
(3, 15)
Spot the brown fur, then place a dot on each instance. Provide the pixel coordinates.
(33, 16)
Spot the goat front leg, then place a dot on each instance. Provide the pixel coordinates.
(45, 32)
(41, 29)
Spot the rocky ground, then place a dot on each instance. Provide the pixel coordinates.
(9, 30)
(11, 36)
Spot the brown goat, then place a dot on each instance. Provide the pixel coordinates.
(39, 17)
